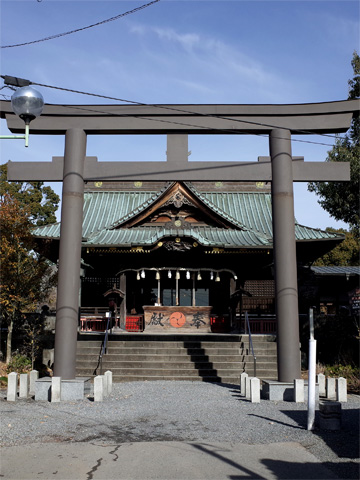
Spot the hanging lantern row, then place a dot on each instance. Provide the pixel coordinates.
(140, 274)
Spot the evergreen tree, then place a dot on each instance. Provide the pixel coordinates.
(341, 199)
(346, 254)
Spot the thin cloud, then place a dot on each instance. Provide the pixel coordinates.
(213, 62)
(188, 41)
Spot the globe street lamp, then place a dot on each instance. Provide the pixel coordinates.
(28, 104)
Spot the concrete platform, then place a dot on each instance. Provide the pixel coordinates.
(70, 389)
(283, 391)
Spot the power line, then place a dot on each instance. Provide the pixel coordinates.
(134, 10)
(21, 82)
(180, 110)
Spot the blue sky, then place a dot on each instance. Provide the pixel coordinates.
(184, 52)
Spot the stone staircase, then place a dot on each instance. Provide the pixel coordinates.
(205, 357)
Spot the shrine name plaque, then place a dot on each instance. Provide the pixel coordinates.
(177, 319)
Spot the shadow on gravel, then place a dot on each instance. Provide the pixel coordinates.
(344, 443)
(277, 421)
(233, 388)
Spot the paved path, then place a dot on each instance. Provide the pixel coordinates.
(161, 461)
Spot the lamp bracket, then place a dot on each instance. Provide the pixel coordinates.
(15, 81)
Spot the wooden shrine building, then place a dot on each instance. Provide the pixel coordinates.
(180, 256)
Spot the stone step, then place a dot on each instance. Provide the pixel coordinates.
(156, 350)
(156, 360)
(146, 358)
(191, 372)
(108, 365)
(142, 378)
(168, 358)
(219, 358)
(177, 344)
(179, 353)
(218, 376)
(170, 351)
(138, 378)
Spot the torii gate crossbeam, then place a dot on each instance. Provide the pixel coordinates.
(177, 121)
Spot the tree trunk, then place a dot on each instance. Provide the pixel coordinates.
(9, 340)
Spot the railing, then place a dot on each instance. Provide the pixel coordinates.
(264, 324)
(251, 347)
(92, 324)
(93, 311)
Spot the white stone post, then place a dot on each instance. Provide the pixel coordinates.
(34, 375)
(105, 381)
(242, 383)
(330, 388)
(247, 387)
(299, 390)
(55, 389)
(108, 375)
(24, 385)
(341, 389)
(99, 388)
(321, 382)
(12, 387)
(255, 390)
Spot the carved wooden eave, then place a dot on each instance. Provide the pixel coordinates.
(114, 291)
(178, 196)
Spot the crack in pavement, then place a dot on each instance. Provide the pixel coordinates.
(90, 474)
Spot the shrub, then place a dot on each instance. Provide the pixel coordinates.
(3, 381)
(19, 364)
(346, 371)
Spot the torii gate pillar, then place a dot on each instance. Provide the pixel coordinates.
(287, 311)
(67, 306)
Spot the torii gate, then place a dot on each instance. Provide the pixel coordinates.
(177, 122)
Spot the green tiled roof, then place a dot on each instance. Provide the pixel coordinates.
(249, 212)
(338, 271)
(206, 236)
(252, 210)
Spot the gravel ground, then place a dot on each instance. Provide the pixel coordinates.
(181, 411)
